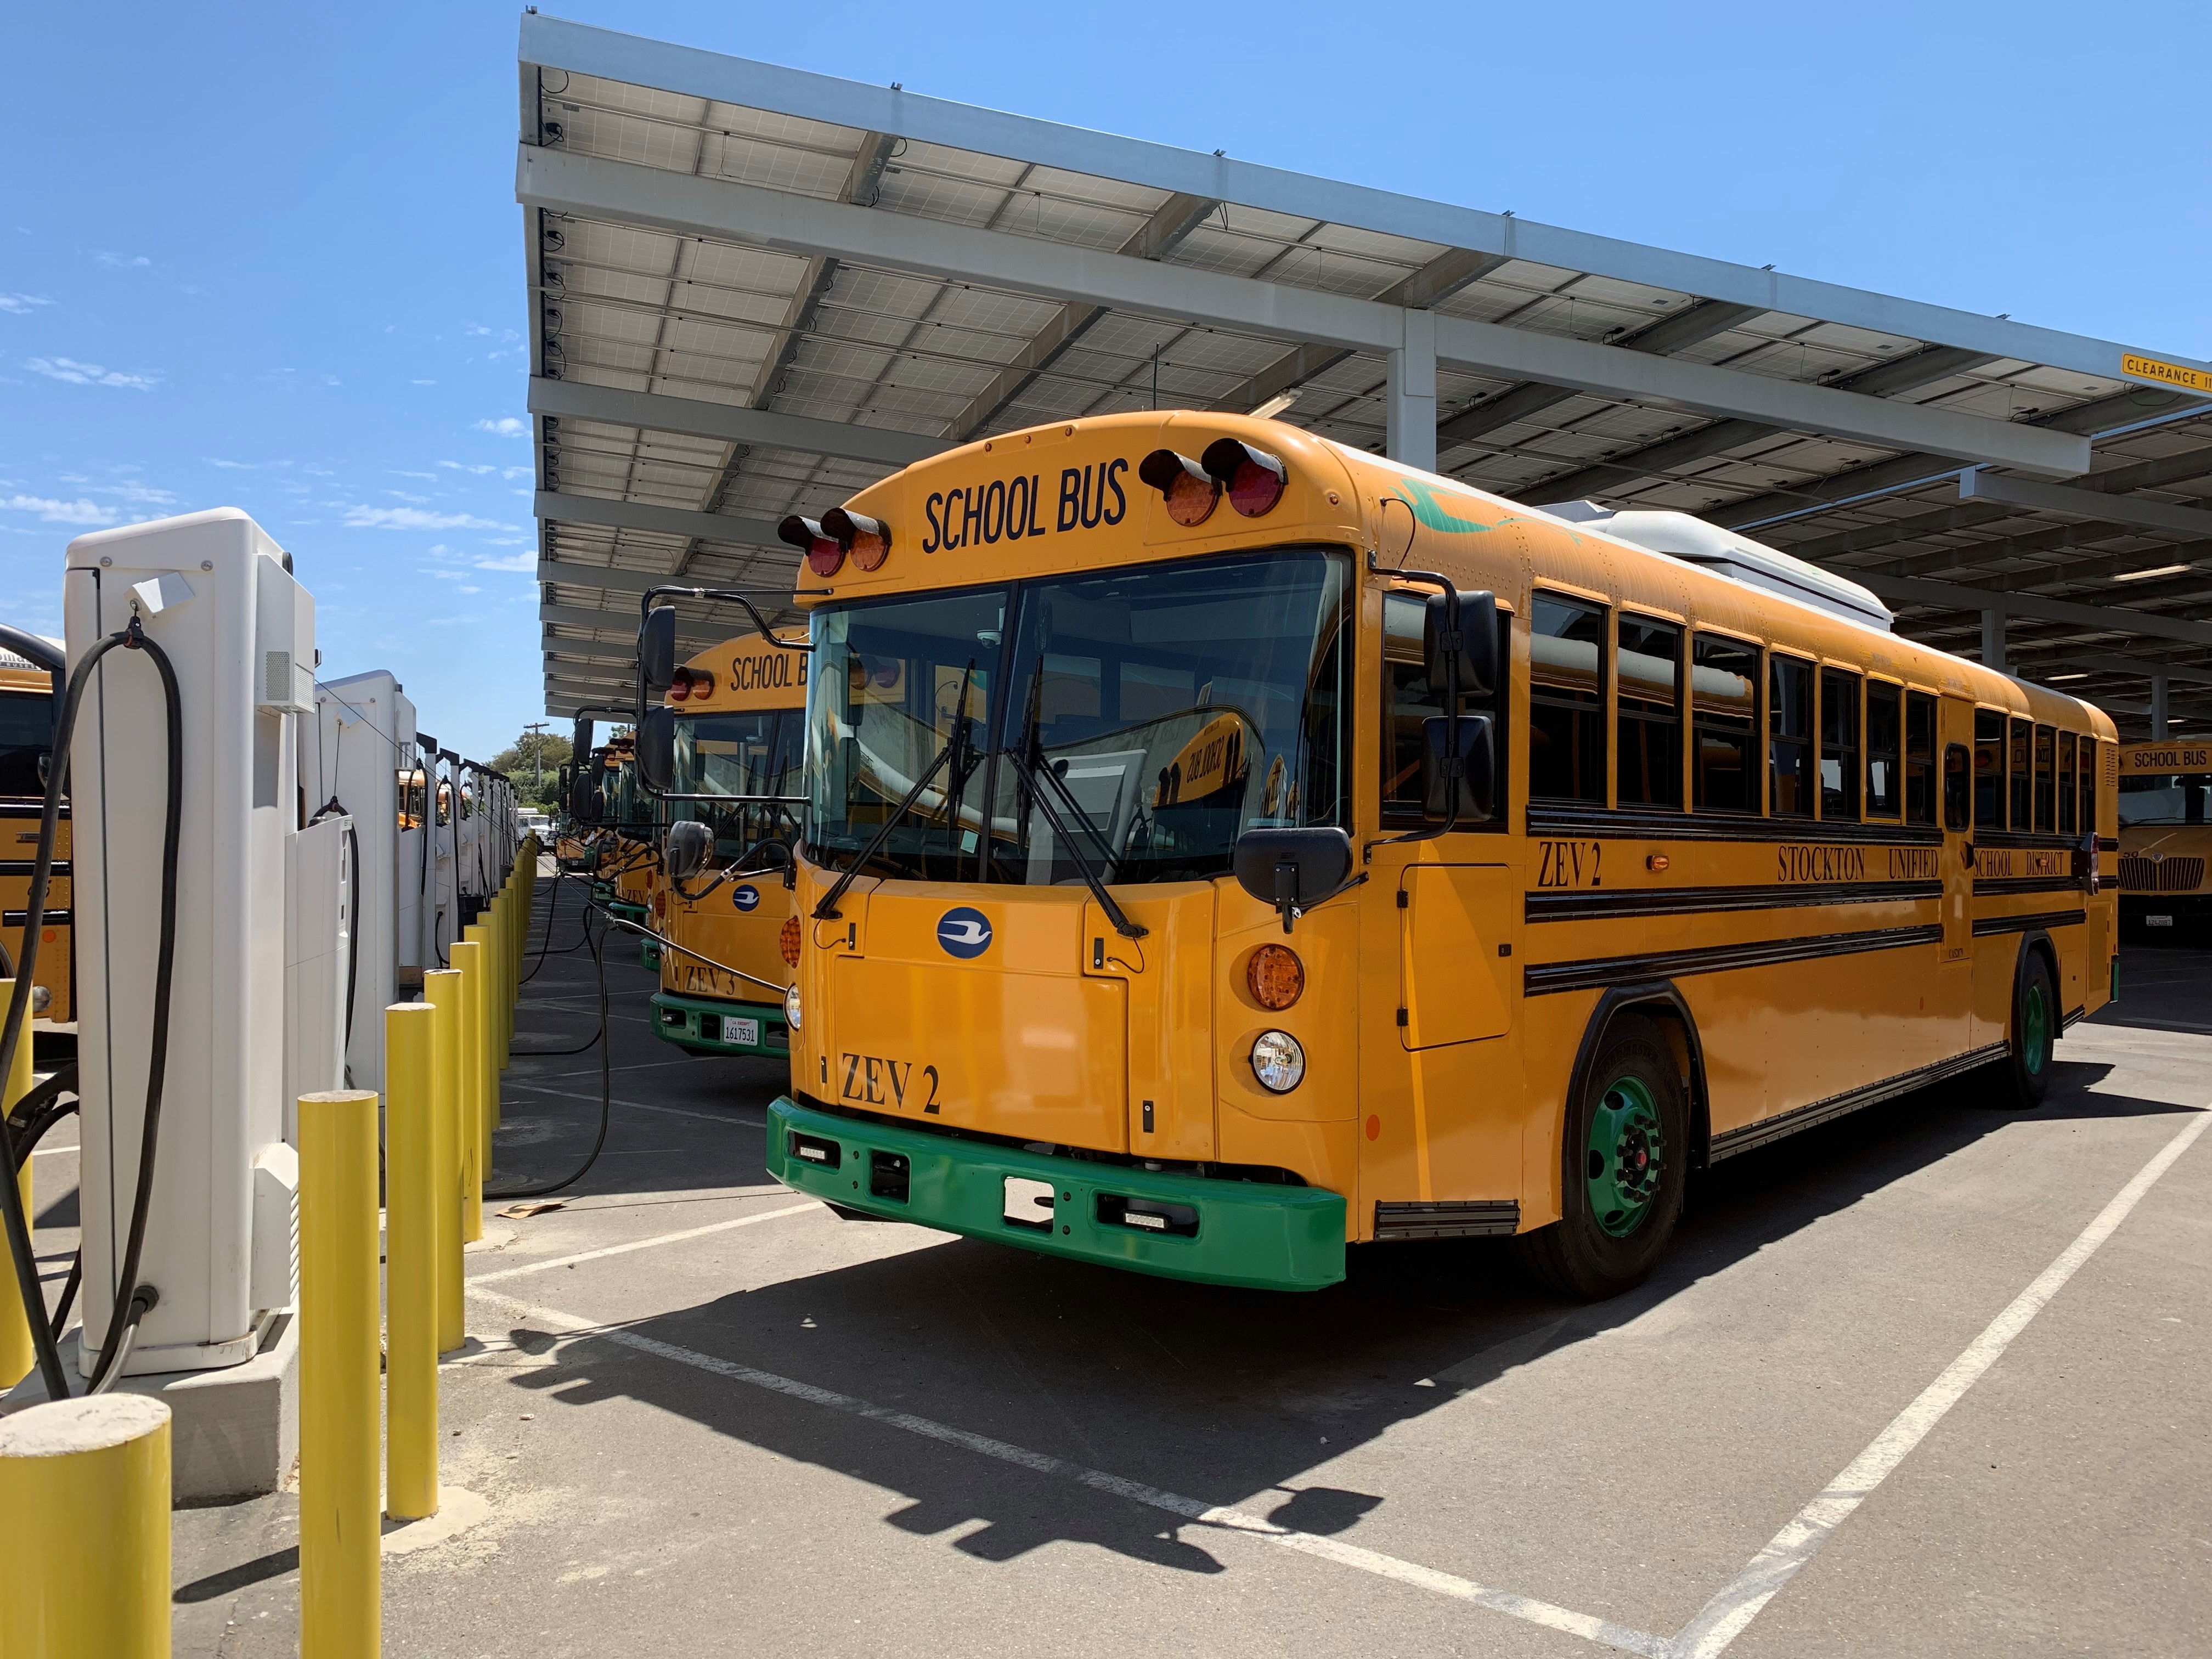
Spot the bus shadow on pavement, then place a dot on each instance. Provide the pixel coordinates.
(1212, 1393)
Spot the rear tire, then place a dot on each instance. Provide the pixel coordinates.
(1626, 1153)
(2019, 1082)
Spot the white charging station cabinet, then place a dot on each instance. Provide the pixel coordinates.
(351, 756)
(215, 590)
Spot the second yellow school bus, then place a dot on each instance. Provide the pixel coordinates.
(1226, 847)
(2165, 833)
(739, 726)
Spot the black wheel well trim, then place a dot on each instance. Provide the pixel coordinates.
(1656, 993)
(2038, 940)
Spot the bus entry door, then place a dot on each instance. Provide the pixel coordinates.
(1458, 925)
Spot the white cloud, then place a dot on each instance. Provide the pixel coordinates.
(463, 467)
(140, 494)
(471, 590)
(422, 383)
(414, 517)
(56, 511)
(119, 262)
(244, 466)
(399, 472)
(401, 495)
(526, 560)
(517, 471)
(18, 305)
(77, 373)
(507, 426)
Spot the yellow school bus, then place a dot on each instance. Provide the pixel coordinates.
(738, 729)
(1520, 861)
(2166, 834)
(27, 739)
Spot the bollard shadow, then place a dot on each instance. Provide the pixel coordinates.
(1213, 1392)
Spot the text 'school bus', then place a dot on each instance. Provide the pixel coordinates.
(1225, 846)
(26, 741)
(2166, 834)
(739, 726)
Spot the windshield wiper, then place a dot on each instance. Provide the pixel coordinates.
(955, 745)
(1122, 924)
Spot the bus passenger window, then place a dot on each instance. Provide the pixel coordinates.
(1789, 737)
(1920, 759)
(1958, 787)
(1839, 743)
(2066, 741)
(2046, 799)
(2019, 781)
(1566, 707)
(1989, 770)
(1724, 720)
(1884, 733)
(1650, 664)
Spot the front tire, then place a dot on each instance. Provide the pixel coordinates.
(2019, 1082)
(1625, 1153)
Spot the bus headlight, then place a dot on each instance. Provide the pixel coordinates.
(1278, 1062)
(791, 1010)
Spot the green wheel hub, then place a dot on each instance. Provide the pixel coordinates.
(2034, 1029)
(1626, 1158)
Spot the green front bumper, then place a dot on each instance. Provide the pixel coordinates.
(698, 1024)
(1217, 1233)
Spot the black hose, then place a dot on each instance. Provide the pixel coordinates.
(129, 1304)
(606, 1093)
(40, 1109)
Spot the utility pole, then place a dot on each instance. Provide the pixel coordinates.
(537, 759)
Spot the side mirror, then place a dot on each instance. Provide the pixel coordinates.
(1474, 643)
(656, 653)
(580, 798)
(656, 749)
(687, 848)
(1292, 870)
(1473, 770)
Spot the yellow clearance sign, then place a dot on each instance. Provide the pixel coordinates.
(2160, 758)
(756, 675)
(2175, 374)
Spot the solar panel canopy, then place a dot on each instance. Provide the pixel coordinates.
(755, 290)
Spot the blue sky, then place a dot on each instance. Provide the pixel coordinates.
(269, 256)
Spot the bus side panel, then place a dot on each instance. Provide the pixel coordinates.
(1551, 1029)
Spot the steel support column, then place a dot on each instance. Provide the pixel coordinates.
(1993, 640)
(1410, 393)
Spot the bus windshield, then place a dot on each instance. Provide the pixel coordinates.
(754, 753)
(1133, 721)
(27, 737)
(2183, 797)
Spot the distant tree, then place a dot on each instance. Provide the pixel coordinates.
(534, 762)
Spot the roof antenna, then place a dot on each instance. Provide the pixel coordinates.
(1155, 380)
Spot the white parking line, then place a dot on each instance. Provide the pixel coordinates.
(1190, 1509)
(644, 1106)
(644, 1243)
(1723, 1618)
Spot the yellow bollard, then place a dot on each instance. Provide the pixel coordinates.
(441, 989)
(502, 928)
(17, 1353)
(411, 1197)
(488, 1024)
(340, 1609)
(85, 1486)
(467, 956)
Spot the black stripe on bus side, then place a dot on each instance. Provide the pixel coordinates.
(2108, 843)
(2073, 1015)
(1732, 1141)
(1987, 924)
(1603, 823)
(1587, 906)
(48, 919)
(1547, 978)
(2038, 841)
(25, 867)
(1998, 886)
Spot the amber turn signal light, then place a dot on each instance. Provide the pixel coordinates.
(866, 541)
(1189, 489)
(1275, 977)
(788, 940)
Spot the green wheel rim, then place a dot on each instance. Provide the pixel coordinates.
(2035, 1029)
(1624, 1162)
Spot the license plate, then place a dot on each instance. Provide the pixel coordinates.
(746, 1032)
(1028, 1203)
(2158, 921)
